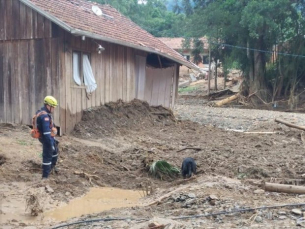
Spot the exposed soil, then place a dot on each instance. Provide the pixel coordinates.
(113, 145)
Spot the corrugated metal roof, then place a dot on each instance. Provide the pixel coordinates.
(77, 17)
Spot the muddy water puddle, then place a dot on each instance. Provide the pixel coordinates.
(95, 201)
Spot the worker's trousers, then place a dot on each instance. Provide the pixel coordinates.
(49, 159)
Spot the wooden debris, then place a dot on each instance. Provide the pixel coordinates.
(271, 187)
(253, 132)
(155, 225)
(226, 100)
(185, 180)
(161, 113)
(195, 148)
(290, 124)
(168, 195)
(220, 93)
(86, 175)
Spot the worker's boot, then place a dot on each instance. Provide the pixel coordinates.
(54, 170)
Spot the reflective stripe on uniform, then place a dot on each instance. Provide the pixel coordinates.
(55, 155)
(49, 163)
(46, 133)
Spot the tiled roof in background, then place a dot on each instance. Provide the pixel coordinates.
(111, 26)
(176, 42)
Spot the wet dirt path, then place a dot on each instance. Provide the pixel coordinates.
(232, 118)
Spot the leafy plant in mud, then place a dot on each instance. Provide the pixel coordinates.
(162, 168)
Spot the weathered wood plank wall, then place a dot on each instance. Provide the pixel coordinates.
(25, 78)
(36, 60)
(29, 62)
(114, 72)
(159, 86)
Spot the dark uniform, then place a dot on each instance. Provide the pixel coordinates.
(49, 144)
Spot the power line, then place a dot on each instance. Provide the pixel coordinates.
(181, 217)
(260, 50)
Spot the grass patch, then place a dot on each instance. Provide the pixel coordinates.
(22, 142)
(187, 89)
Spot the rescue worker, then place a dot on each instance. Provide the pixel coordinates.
(48, 131)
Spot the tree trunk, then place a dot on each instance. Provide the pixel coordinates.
(216, 75)
(258, 85)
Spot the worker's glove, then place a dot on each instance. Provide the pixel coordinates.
(53, 148)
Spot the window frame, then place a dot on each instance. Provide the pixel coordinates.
(81, 72)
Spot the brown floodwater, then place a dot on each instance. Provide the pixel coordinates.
(95, 201)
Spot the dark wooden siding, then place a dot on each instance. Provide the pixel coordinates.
(25, 77)
(21, 22)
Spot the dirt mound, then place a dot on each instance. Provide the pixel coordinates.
(117, 118)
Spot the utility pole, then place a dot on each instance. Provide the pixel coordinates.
(209, 75)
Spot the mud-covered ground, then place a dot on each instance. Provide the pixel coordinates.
(112, 145)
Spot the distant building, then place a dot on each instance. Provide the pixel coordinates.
(177, 44)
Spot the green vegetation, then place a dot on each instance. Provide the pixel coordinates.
(187, 89)
(242, 33)
(162, 168)
(22, 142)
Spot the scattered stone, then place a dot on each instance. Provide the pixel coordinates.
(296, 211)
(301, 222)
(182, 198)
(49, 189)
(282, 217)
(259, 191)
(258, 219)
(213, 197)
(67, 193)
(154, 224)
(212, 202)
(281, 213)
(191, 195)
(269, 215)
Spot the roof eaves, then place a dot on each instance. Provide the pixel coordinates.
(47, 15)
(78, 32)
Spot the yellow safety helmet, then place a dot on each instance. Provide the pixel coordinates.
(51, 101)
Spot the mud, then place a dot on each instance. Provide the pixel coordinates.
(112, 146)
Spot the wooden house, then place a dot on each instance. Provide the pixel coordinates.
(176, 43)
(82, 53)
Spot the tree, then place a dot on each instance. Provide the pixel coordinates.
(152, 16)
(251, 28)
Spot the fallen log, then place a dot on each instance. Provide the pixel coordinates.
(220, 93)
(226, 100)
(289, 124)
(271, 187)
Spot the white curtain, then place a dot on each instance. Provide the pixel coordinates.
(88, 75)
(76, 73)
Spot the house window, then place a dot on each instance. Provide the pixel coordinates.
(82, 71)
(205, 59)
